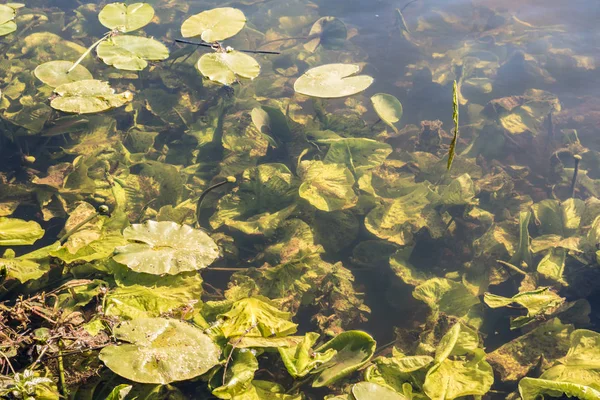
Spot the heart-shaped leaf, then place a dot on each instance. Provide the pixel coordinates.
(328, 32)
(88, 96)
(226, 67)
(166, 247)
(214, 25)
(131, 52)
(332, 80)
(56, 73)
(388, 108)
(126, 18)
(160, 351)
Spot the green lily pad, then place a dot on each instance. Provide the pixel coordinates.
(131, 53)
(373, 391)
(226, 67)
(16, 232)
(327, 187)
(388, 108)
(353, 350)
(54, 73)
(329, 32)
(214, 25)
(126, 18)
(160, 351)
(332, 80)
(88, 96)
(7, 23)
(166, 247)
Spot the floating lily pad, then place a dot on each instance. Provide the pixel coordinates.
(88, 96)
(226, 67)
(388, 108)
(166, 248)
(16, 232)
(126, 18)
(7, 23)
(332, 80)
(160, 351)
(131, 52)
(329, 32)
(54, 73)
(214, 25)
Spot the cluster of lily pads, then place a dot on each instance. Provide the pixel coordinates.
(174, 245)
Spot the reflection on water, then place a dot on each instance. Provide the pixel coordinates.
(325, 207)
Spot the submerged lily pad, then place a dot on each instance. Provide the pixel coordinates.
(16, 232)
(373, 391)
(354, 349)
(55, 73)
(388, 108)
(160, 351)
(328, 187)
(329, 32)
(166, 247)
(131, 53)
(126, 18)
(214, 25)
(226, 67)
(332, 80)
(88, 96)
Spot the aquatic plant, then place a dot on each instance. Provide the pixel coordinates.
(256, 238)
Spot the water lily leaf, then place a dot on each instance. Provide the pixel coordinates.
(88, 96)
(359, 154)
(16, 232)
(332, 80)
(143, 295)
(299, 360)
(329, 32)
(253, 317)
(538, 302)
(446, 296)
(456, 378)
(166, 248)
(576, 375)
(160, 351)
(214, 25)
(239, 375)
(552, 265)
(460, 192)
(120, 392)
(226, 67)
(373, 391)
(513, 360)
(353, 350)
(532, 389)
(7, 23)
(126, 18)
(388, 108)
(131, 53)
(54, 73)
(328, 187)
(399, 219)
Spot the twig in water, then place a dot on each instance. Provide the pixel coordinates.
(102, 210)
(233, 347)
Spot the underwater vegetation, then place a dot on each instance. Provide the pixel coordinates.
(223, 200)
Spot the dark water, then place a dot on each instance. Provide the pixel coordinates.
(509, 47)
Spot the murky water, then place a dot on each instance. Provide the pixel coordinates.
(324, 204)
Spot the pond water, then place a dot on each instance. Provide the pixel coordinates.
(417, 218)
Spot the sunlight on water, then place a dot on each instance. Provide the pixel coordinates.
(294, 199)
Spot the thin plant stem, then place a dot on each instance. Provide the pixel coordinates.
(96, 43)
(577, 158)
